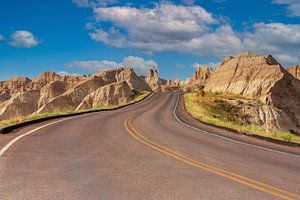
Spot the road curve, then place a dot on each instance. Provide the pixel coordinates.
(140, 152)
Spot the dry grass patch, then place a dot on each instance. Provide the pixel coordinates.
(139, 96)
(214, 110)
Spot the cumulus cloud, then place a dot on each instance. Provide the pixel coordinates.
(211, 65)
(64, 73)
(93, 65)
(188, 2)
(293, 6)
(281, 40)
(139, 64)
(23, 39)
(193, 30)
(94, 3)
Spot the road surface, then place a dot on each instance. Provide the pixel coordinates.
(142, 152)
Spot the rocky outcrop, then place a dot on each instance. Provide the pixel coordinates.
(113, 94)
(50, 92)
(134, 82)
(262, 78)
(13, 86)
(73, 97)
(201, 75)
(22, 104)
(295, 71)
(267, 116)
(153, 79)
(72, 81)
(43, 79)
(198, 80)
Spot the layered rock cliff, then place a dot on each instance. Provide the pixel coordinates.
(153, 79)
(198, 80)
(262, 78)
(295, 71)
(51, 92)
(112, 94)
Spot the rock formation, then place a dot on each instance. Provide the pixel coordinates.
(73, 97)
(134, 82)
(50, 92)
(295, 71)
(113, 94)
(22, 104)
(14, 85)
(198, 80)
(153, 79)
(262, 78)
(43, 79)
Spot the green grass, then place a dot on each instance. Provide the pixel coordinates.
(140, 96)
(213, 110)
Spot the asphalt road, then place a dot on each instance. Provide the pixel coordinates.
(143, 152)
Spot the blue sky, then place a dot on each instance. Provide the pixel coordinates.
(82, 36)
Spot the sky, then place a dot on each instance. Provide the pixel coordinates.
(83, 36)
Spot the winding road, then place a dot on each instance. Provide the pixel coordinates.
(145, 151)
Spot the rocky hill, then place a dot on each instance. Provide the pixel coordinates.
(262, 78)
(51, 92)
(198, 80)
(295, 71)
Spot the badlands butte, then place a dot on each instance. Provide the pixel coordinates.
(267, 94)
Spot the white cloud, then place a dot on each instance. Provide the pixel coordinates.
(94, 3)
(23, 39)
(93, 65)
(2, 37)
(140, 65)
(293, 6)
(188, 2)
(281, 40)
(64, 73)
(193, 30)
(211, 65)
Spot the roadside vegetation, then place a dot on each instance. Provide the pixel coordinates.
(211, 108)
(139, 96)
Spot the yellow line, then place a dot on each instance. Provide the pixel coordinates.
(215, 168)
(235, 177)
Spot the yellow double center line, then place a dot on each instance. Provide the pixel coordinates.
(226, 174)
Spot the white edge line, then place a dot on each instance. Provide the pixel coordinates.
(225, 138)
(8, 145)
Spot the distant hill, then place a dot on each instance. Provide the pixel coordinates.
(51, 92)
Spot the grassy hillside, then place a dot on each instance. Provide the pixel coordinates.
(214, 109)
(4, 123)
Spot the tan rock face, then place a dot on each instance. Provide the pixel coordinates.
(22, 104)
(50, 92)
(248, 75)
(13, 86)
(201, 75)
(295, 71)
(112, 94)
(134, 82)
(108, 76)
(198, 80)
(43, 79)
(262, 78)
(72, 81)
(153, 79)
(73, 97)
